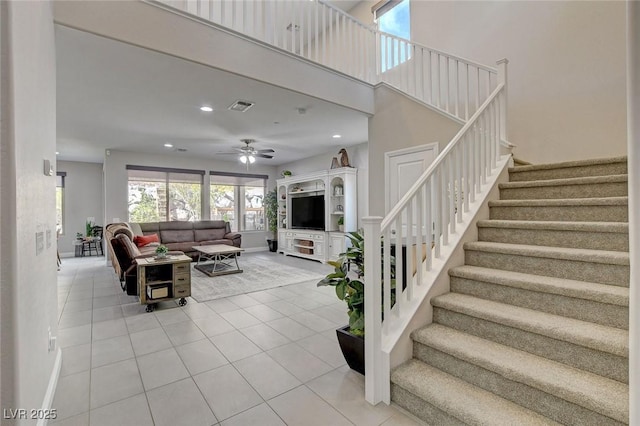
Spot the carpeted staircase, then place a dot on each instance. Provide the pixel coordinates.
(534, 330)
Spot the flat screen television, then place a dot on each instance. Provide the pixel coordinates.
(308, 212)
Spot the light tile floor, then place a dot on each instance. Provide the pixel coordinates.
(264, 358)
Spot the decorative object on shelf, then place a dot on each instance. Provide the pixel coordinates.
(344, 158)
(161, 251)
(79, 236)
(286, 173)
(270, 203)
(341, 224)
(338, 190)
(283, 196)
(334, 163)
(339, 208)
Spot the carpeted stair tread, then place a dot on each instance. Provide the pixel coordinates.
(604, 201)
(602, 293)
(577, 163)
(588, 390)
(574, 254)
(605, 227)
(587, 334)
(460, 399)
(589, 180)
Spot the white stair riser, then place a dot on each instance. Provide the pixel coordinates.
(556, 238)
(570, 269)
(529, 397)
(613, 189)
(618, 213)
(571, 307)
(595, 361)
(569, 172)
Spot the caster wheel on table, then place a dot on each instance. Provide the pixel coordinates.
(150, 308)
(182, 301)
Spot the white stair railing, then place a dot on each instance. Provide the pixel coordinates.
(418, 228)
(454, 85)
(324, 34)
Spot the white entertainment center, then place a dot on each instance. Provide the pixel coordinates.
(311, 208)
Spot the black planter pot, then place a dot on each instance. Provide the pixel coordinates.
(352, 347)
(273, 245)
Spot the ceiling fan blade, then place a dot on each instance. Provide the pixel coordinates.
(263, 155)
(264, 151)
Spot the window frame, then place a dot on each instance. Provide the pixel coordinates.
(239, 201)
(167, 171)
(62, 176)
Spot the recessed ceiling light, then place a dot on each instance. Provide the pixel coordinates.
(57, 153)
(206, 108)
(168, 145)
(336, 136)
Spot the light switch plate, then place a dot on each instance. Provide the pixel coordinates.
(48, 168)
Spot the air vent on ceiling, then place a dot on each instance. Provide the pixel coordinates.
(181, 149)
(241, 106)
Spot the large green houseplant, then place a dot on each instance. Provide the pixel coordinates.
(347, 280)
(270, 203)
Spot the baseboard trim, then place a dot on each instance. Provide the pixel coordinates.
(256, 249)
(47, 402)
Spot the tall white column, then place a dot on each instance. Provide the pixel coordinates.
(633, 150)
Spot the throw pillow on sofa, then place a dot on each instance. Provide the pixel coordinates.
(143, 240)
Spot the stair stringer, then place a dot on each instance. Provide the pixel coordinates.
(397, 345)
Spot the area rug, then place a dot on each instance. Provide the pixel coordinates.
(258, 274)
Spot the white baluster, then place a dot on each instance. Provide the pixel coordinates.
(409, 250)
(386, 279)
(429, 219)
(420, 237)
(399, 266)
(448, 84)
(502, 79)
(437, 210)
(457, 87)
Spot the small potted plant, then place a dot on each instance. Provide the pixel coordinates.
(161, 251)
(286, 173)
(341, 223)
(271, 211)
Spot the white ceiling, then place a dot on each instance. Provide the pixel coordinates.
(112, 95)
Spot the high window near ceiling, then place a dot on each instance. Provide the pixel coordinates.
(393, 17)
(159, 194)
(237, 198)
(60, 202)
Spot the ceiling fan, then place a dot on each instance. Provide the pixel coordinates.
(247, 154)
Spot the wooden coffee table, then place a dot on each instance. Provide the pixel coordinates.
(218, 259)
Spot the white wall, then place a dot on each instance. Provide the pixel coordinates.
(566, 70)
(83, 198)
(399, 123)
(29, 292)
(358, 158)
(115, 182)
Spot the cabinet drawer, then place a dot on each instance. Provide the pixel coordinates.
(318, 237)
(182, 291)
(182, 279)
(181, 267)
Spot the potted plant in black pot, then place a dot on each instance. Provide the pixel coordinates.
(347, 280)
(270, 203)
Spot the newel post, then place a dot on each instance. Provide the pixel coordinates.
(374, 381)
(502, 78)
(633, 153)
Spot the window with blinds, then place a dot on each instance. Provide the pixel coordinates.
(159, 194)
(237, 198)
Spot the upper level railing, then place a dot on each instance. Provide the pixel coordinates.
(326, 35)
(418, 229)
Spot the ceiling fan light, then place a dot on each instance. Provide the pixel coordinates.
(252, 159)
(243, 159)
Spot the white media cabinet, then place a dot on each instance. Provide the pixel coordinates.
(339, 189)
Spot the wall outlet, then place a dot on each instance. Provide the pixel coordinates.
(52, 341)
